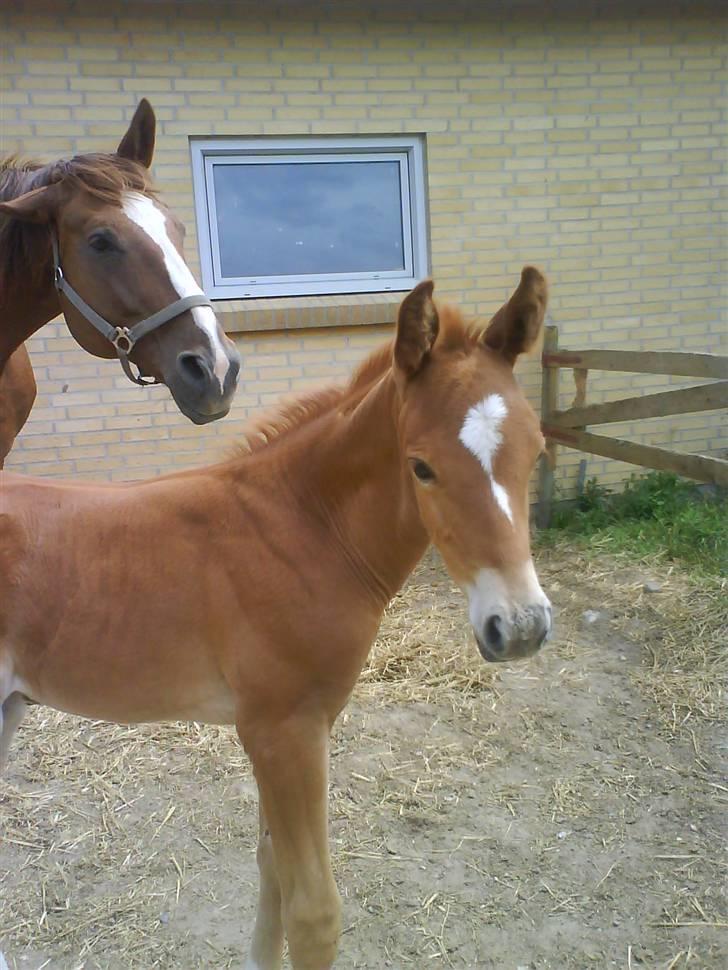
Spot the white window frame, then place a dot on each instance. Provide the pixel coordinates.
(407, 150)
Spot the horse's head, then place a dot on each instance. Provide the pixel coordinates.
(471, 440)
(120, 249)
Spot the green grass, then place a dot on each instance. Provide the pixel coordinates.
(656, 514)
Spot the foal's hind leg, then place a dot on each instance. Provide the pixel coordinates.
(12, 712)
(266, 951)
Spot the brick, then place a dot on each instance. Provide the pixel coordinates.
(89, 53)
(145, 85)
(96, 85)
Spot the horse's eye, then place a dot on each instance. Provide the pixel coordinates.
(102, 242)
(423, 471)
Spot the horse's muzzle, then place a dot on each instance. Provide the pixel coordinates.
(198, 391)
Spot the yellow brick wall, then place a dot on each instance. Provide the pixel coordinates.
(593, 146)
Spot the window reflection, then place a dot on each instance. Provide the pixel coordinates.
(301, 218)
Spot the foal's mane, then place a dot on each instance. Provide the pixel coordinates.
(295, 412)
(24, 246)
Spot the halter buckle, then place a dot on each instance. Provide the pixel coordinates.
(123, 340)
(58, 277)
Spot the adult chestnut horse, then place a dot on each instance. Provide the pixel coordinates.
(89, 238)
(17, 394)
(250, 592)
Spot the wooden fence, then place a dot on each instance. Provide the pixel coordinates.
(568, 427)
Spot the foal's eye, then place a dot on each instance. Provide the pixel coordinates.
(423, 471)
(102, 242)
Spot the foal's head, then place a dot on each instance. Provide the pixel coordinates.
(471, 441)
(121, 250)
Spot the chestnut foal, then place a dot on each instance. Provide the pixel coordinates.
(250, 592)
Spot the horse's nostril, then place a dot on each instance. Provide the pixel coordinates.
(234, 368)
(494, 633)
(193, 369)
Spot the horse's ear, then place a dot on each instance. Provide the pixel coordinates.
(516, 326)
(417, 327)
(39, 205)
(138, 142)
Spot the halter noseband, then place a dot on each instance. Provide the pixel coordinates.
(123, 339)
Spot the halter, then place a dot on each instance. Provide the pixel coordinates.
(123, 339)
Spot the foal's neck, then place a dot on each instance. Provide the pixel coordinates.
(367, 492)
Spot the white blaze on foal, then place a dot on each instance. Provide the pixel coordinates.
(144, 213)
(482, 436)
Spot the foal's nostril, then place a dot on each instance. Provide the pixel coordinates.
(193, 369)
(549, 624)
(543, 622)
(494, 633)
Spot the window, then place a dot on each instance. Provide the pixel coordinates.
(290, 217)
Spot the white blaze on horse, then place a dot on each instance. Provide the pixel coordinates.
(89, 237)
(250, 592)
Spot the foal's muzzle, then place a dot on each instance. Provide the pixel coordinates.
(516, 635)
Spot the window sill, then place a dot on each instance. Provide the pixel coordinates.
(307, 312)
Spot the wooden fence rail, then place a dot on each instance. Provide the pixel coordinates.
(568, 427)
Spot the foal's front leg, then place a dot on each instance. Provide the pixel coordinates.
(290, 761)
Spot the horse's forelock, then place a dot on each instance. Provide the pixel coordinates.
(104, 176)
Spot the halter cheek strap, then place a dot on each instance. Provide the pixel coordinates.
(123, 339)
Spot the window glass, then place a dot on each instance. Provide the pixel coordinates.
(300, 218)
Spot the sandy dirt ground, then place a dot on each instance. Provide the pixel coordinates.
(569, 812)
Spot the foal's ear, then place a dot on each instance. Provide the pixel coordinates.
(417, 327)
(138, 143)
(36, 206)
(516, 326)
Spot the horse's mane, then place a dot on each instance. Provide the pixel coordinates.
(24, 246)
(295, 412)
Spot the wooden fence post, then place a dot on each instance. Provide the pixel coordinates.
(549, 405)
